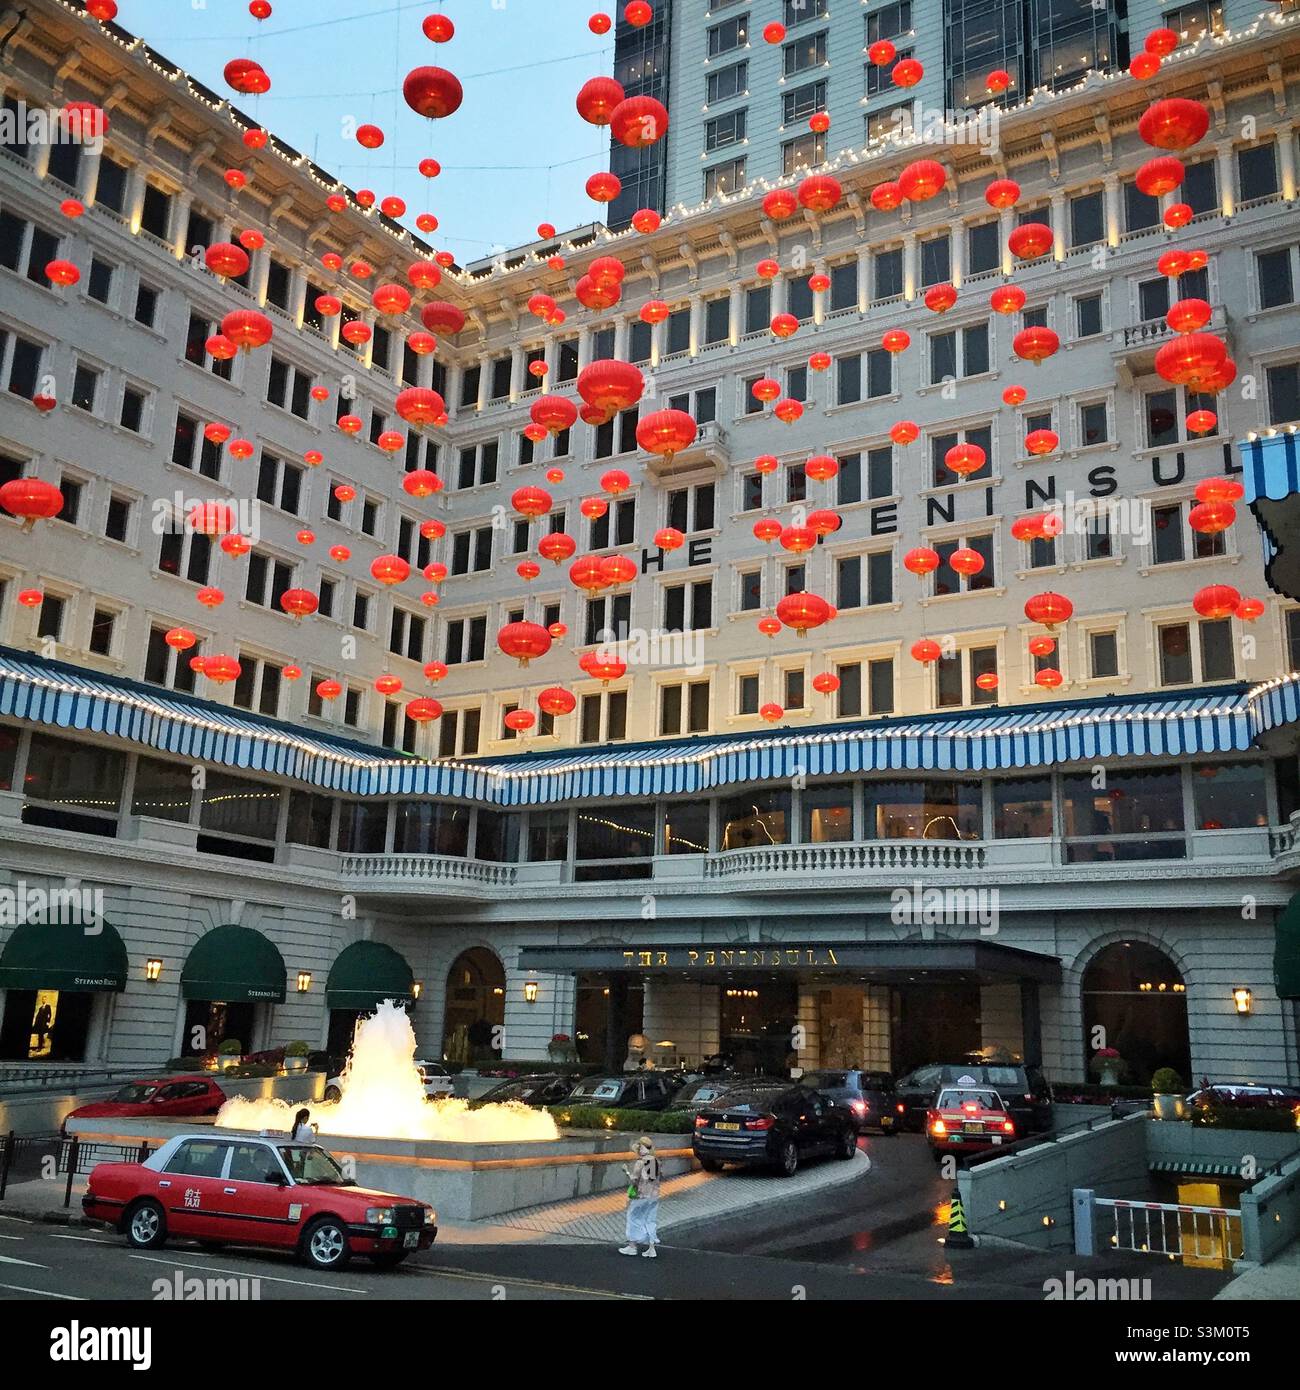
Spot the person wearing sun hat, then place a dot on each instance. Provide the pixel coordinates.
(642, 1200)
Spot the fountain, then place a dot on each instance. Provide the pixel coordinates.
(383, 1097)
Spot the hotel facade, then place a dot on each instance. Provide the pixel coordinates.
(913, 865)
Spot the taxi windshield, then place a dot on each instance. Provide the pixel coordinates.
(310, 1165)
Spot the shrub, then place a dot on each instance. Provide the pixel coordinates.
(186, 1064)
(1235, 1117)
(621, 1121)
(1167, 1082)
(232, 1047)
(254, 1069)
(297, 1049)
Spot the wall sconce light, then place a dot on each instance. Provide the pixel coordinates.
(1242, 1000)
(530, 991)
(153, 970)
(304, 981)
(417, 988)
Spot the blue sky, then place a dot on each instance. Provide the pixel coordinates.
(515, 154)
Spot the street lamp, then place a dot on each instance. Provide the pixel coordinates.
(153, 970)
(1242, 1000)
(304, 981)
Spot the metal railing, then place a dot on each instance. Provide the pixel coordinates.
(425, 868)
(47, 1156)
(20, 1080)
(1171, 1229)
(836, 858)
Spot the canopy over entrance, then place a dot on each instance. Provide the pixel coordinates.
(78, 957)
(235, 965)
(365, 974)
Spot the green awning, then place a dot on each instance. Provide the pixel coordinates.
(365, 974)
(1286, 951)
(79, 958)
(234, 965)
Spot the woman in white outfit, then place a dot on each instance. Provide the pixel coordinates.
(642, 1201)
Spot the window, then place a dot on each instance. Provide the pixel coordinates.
(1140, 209)
(979, 435)
(1273, 274)
(466, 640)
(691, 509)
(1103, 655)
(26, 248)
(727, 36)
(164, 666)
(886, 274)
(24, 365)
(877, 79)
(1166, 415)
(726, 130)
(956, 677)
(983, 248)
(727, 82)
(72, 489)
(1257, 172)
(1200, 187)
(844, 286)
(717, 320)
(803, 102)
(279, 483)
(758, 313)
(289, 387)
(889, 21)
(85, 387)
(936, 260)
(608, 619)
(949, 581)
(268, 578)
(131, 416)
(1087, 315)
(196, 337)
(616, 527)
(1192, 22)
(146, 306)
(185, 554)
(258, 685)
(684, 709)
(747, 694)
(406, 634)
(875, 470)
(1283, 393)
(110, 191)
(478, 464)
(471, 550)
(603, 717)
(879, 375)
(1093, 427)
(959, 353)
(688, 607)
(751, 590)
(804, 53)
(117, 519)
(1087, 219)
(99, 283)
(797, 11)
(724, 178)
(751, 491)
(1190, 653)
(862, 580)
(102, 623)
(803, 152)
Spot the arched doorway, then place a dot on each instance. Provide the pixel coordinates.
(476, 1007)
(1134, 992)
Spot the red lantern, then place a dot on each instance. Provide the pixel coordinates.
(819, 192)
(765, 389)
(435, 671)
(556, 546)
(826, 682)
(926, 651)
(242, 449)
(1249, 609)
(1209, 518)
(767, 463)
(235, 545)
(669, 538)
(1144, 66)
(524, 641)
(432, 529)
(1216, 601)
(780, 203)
(328, 690)
(593, 508)
(30, 598)
(420, 406)
(1049, 678)
(441, 317)
(586, 573)
(784, 326)
(907, 72)
(420, 482)
(1178, 215)
(767, 529)
(554, 413)
(32, 499)
(1188, 315)
(1174, 123)
(423, 709)
(803, 611)
(987, 680)
(340, 554)
(1161, 42)
(940, 298)
(638, 13)
(819, 122)
(882, 53)
(774, 33)
(965, 459)
(618, 569)
(210, 518)
(1015, 395)
(997, 81)
(904, 431)
(769, 627)
(520, 720)
(1035, 344)
(558, 631)
(531, 501)
(896, 340)
(771, 712)
(654, 311)
(1048, 609)
(638, 122)
(788, 411)
(966, 561)
(370, 137)
(391, 299)
(350, 424)
(885, 197)
(389, 570)
(1192, 359)
(1202, 422)
(246, 76)
(1160, 175)
(820, 361)
(823, 521)
(646, 220)
(556, 701)
(1042, 645)
(432, 92)
(1007, 299)
(299, 603)
(236, 178)
(356, 333)
(1173, 263)
(1030, 240)
(819, 284)
(798, 539)
(388, 685)
(225, 259)
(1040, 442)
(602, 668)
(247, 329)
(604, 187)
(221, 668)
(610, 386)
(922, 180)
(821, 468)
(1002, 193)
(72, 207)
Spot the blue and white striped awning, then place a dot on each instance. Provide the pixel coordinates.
(1226, 720)
(1271, 466)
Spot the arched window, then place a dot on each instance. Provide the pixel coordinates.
(1134, 995)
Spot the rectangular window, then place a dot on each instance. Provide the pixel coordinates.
(726, 130)
(886, 274)
(1092, 424)
(983, 248)
(727, 82)
(803, 102)
(1103, 655)
(1257, 171)
(1087, 219)
(727, 36)
(724, 178)
(1087, 315)
(804, 53)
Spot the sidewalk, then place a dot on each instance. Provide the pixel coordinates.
(1279, 1279)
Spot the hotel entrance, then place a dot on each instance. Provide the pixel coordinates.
(757, 1026)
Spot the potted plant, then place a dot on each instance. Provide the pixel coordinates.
(561, 1048)
(1107, 1066)
(1168, 1089)
(295, 1056)
(230, 1054)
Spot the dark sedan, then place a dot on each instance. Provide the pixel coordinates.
(868, 1095)
(773, 1129)
(642, 1090)
(710, 1092)
(540, 1088)
(1024, 1091)
(1239, 1096)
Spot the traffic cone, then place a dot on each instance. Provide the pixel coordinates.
(958, 1238)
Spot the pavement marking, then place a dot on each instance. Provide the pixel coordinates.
(243, 1273)
(44, 1293)
(21, 1220)
(4, 1237)
(444, 1272)
(90, 1240)
(31, 1264)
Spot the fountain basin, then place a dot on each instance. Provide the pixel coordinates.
(464, 1181)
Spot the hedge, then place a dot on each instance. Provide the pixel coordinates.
(1237, 1117)
(640, 1121)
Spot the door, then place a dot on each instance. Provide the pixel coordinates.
(190, 1189)
(258, 1200)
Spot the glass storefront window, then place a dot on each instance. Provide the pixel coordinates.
(162, 790)
(1134, 815)
(1022, 807)
(497, 837)
(616, 832)
(430, 827)
(309, 819)
(236, 806)
(75, 776)
(548, 835)
(1229, 796)
(827, 813)
(922, 810)
(363, 826)
(8, 756)
(686, 827)
(757, 818)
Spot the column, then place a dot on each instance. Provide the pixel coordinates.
(551, 356)
(1227, 177)
(517, 373)
(1286, 160)
(957, 256)
(819, 300)
(1007, 218)
(876, 1048)
(297, 294)
(864, 279)
(178, 230)
(454, 374)
(259, 275)
(616, 1028)
(1058, 225)
(484, 383)
(809, 1051)
(584, 347)
(697, 324)
(736, 314)
(134, 209)
(1111, 203)
(40, 158)
(778, 295)
(88, 173)
(620, 338)
(909, 266)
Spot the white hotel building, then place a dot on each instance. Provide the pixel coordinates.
(1118, 852)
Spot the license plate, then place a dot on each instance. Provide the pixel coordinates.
(726, 1124)
(973, 1128)
(411, 1240)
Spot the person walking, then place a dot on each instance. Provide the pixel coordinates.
(642, 1201)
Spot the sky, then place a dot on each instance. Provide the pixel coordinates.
(516, 153)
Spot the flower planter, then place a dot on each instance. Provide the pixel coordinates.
(1109, 1075)
(228, 1061)
(1169, 1107)
(292, 1064)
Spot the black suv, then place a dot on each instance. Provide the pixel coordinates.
(1024, 1091)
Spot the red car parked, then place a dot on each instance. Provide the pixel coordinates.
(965, 1120)
(166, 1097)
(253, 1191)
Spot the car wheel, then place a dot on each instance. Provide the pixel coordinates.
(711, 1165)
(325, 1244)
(146, 1225)
(332, 1093)
(390, 1260)
(848, 1144)
(789, 1159)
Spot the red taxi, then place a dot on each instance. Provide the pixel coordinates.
(265, 1192)
(966, 1120)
